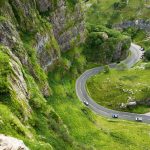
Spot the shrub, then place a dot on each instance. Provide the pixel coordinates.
(122, 66)
(106, 69)
(147, 66)
(5, 70)
(2, 2)
(147, 54)
(120, 5)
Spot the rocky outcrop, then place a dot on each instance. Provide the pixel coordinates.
(121, 52)
(68, 23)
(145, 102)
(47, 49)
(9, 37)
(10, 143)
(68, 27)
(140, 24)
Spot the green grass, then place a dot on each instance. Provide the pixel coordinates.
(116, 87)
(89, 129)
(102, 12)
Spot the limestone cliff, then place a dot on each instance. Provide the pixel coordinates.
(67, 21)
(139, 24)
(32, 35)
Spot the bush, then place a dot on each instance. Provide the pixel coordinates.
(101, 43)
(147, 54)
(2, 2)
(5, 70)
(106, 69)
(147, 66)
(120, 5)
(122, 66)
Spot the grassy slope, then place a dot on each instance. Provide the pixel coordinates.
(103, 13)
(88, 128)
(44, 128)
(116, 87)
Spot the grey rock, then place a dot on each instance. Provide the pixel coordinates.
(10, 143)
(139, 23)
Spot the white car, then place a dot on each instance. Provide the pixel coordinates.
(86, 103)
(115, 116)
(138, 119)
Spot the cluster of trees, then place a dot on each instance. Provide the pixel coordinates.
(101, 44)
(120, 5)
(2, 2)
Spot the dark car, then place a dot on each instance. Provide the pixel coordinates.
(86, 103)
(115, 116)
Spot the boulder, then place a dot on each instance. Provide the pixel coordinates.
(10, 143)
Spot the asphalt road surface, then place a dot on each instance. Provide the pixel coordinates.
(82, 94)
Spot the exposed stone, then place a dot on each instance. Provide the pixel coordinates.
(10, 38)
(17, 81)
(140, 24)
(68, 25)
(131, 104)
(145, 102)
(47, 52)
(10, 143)
(120, 52)
(44, 5)
(26, 15)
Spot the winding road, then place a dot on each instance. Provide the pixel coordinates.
(82, 94)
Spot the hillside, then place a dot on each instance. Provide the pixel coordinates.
(130, 17)
(44, 46)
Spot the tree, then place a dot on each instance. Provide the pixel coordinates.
(106, 69)
(2, 2)
(147, 54)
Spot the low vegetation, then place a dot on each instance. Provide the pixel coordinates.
(87, 128)
(116, 88)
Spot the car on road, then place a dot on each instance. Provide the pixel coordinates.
(141, 57)
(139, 119)
(86, 103)
(115, 116)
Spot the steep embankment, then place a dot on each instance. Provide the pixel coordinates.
(32, 35)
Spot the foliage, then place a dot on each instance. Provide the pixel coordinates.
(121, 66)
(5, 70)
(111, 90)
(2, 2)
(101, 43)
(106, 69)
(147, 54)
(90, 129)
(120, 5)
(147, 66)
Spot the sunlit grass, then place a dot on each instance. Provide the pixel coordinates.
(118, 87)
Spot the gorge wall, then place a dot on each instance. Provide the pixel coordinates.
(139, 24)
(33, 34)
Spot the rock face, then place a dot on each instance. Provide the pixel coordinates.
(120, 52)
(10, 143)
(32, 35)
(9, 37)
(140, 24)
(47, 52)
(68, 23)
